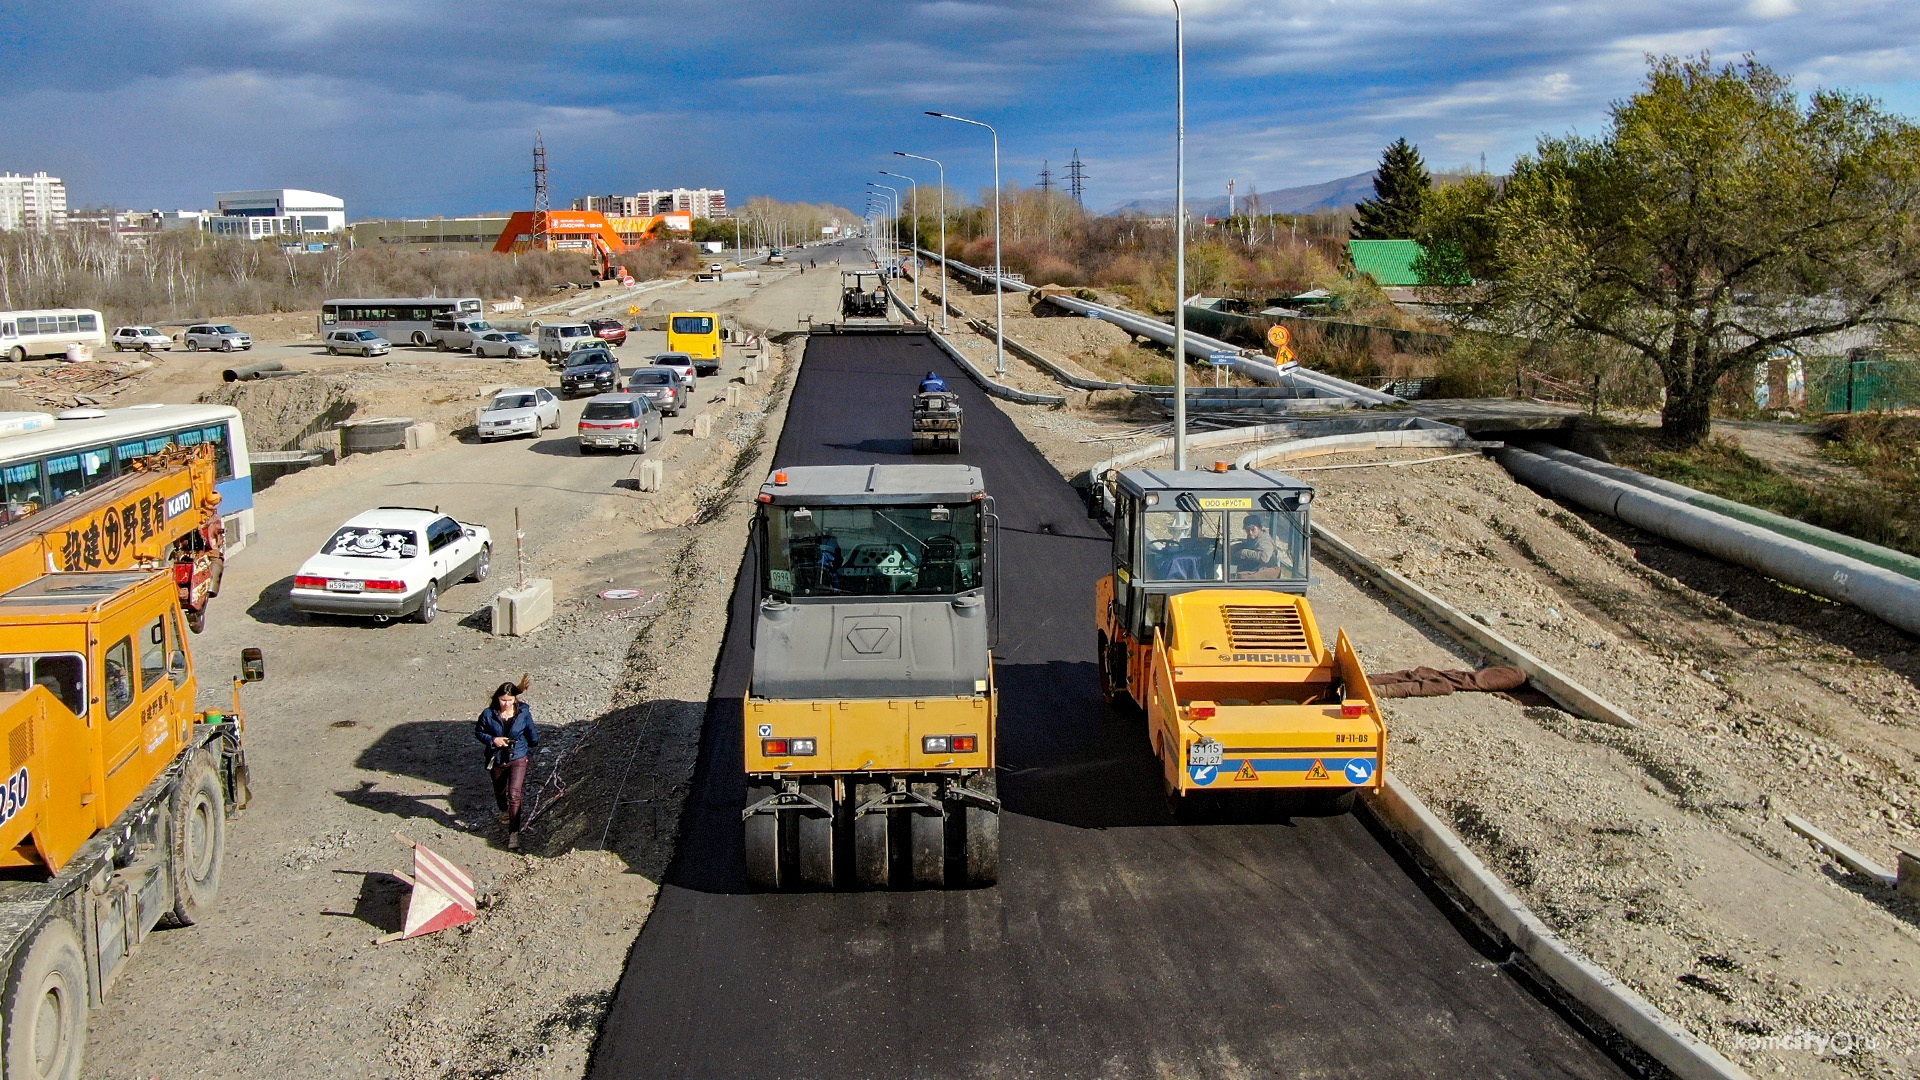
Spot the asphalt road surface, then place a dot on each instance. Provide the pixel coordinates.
(1116, 944)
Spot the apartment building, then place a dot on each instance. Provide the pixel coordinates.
(36, 202)
(710, 203)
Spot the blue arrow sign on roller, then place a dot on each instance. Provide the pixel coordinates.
(1222, 359)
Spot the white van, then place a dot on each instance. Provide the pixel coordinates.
(558, 339)
(456, 331)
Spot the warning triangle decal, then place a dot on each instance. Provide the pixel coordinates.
(1319, 770)
(1247, 771)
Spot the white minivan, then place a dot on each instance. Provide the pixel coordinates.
(558, 339)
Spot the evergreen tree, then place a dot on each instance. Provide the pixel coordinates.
(1400, 187)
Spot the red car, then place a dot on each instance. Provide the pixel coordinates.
(609, 331)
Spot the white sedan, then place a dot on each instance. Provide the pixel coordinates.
(139, 339)
(505, 344)
(392, 562)
(518, 410)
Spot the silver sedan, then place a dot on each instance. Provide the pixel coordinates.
(518, 410)
(504, 343)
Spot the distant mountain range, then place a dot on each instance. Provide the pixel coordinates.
(1313, 198)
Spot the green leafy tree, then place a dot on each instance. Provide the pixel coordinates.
(1400, 189)
(1716, 222)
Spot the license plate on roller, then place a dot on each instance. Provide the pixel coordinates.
(346, 586)
(1206, 752)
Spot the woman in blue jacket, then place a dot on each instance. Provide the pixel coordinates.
(506, 729)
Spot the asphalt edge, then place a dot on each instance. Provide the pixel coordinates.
(999, 390)
(1633, 1017)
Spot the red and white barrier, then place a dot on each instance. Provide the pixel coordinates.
(442, 897)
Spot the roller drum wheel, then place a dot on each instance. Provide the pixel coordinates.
(927, 842)
(871, 858)
(45, 1027)
(762, 842)
(980, 837)
(813, 835)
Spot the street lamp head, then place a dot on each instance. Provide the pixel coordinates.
(930, 112)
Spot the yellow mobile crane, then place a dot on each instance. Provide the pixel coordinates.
(114, 802)
(1204, 624)
(869, 722)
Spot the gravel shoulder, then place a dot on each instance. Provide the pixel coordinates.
(363, 730)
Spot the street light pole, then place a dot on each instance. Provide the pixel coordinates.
(999, 267)
(943, 233)
(914, 186)
(1180, 242)
(893, 232)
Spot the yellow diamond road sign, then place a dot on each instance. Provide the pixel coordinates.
(633, 309)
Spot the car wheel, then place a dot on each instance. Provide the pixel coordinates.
(226, 346)
(331, 351)
(483, 565)
(117, 348)
(192, 345)
(429, 604)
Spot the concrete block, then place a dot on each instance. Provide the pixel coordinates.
(703, 426)
(520, 610)
(1907, 878)
(421, 433)
(753, 377)
(733, 394)
(653, 475)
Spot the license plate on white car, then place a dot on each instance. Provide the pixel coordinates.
(345, 586)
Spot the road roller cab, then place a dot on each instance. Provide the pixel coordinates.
(1205, 626)
(869, 724)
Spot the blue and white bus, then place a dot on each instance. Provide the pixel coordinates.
(46, 459)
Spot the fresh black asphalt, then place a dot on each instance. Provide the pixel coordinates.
(1116, 944)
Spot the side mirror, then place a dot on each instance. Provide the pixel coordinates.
(468, 532)
(253, 665)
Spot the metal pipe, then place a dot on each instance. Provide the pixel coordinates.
(944, 311)
(1892, 597)
(251, 371)
(1897, 561)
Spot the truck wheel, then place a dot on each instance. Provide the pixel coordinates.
(980, 843)
(429, 603)
(197, 830)
(927, 842)
(814, 839)
(46, 1007)
(762, 842)
(871, 860)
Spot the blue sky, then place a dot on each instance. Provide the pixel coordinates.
(429, 106)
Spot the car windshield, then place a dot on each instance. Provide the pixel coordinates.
(511, 401)
(608, 410)
(373, 543)
(693, 324)
(515, 337)
(574, 331)
(873, 550)
(588, 356)
(652, 378)
(146, 331)
(367, 335)
(478, 326)
(673, 359)
(225, 330)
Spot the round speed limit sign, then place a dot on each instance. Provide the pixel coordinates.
(1278, 337)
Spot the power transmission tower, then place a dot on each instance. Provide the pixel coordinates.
(1076, 179)
(542, 210)
(1046, 177)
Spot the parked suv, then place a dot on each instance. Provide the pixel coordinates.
(216, 336)
(620, 422)
(589, 370)
(456, 332)
(358, 342)
(558, 339)
(609, 331)
(662, 386)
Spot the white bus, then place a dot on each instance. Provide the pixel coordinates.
(48, 331)
(45, 459)
(398, 318)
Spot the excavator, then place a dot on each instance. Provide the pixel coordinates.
(1204, 625)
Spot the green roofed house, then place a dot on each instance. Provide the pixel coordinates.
(1388, 262)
